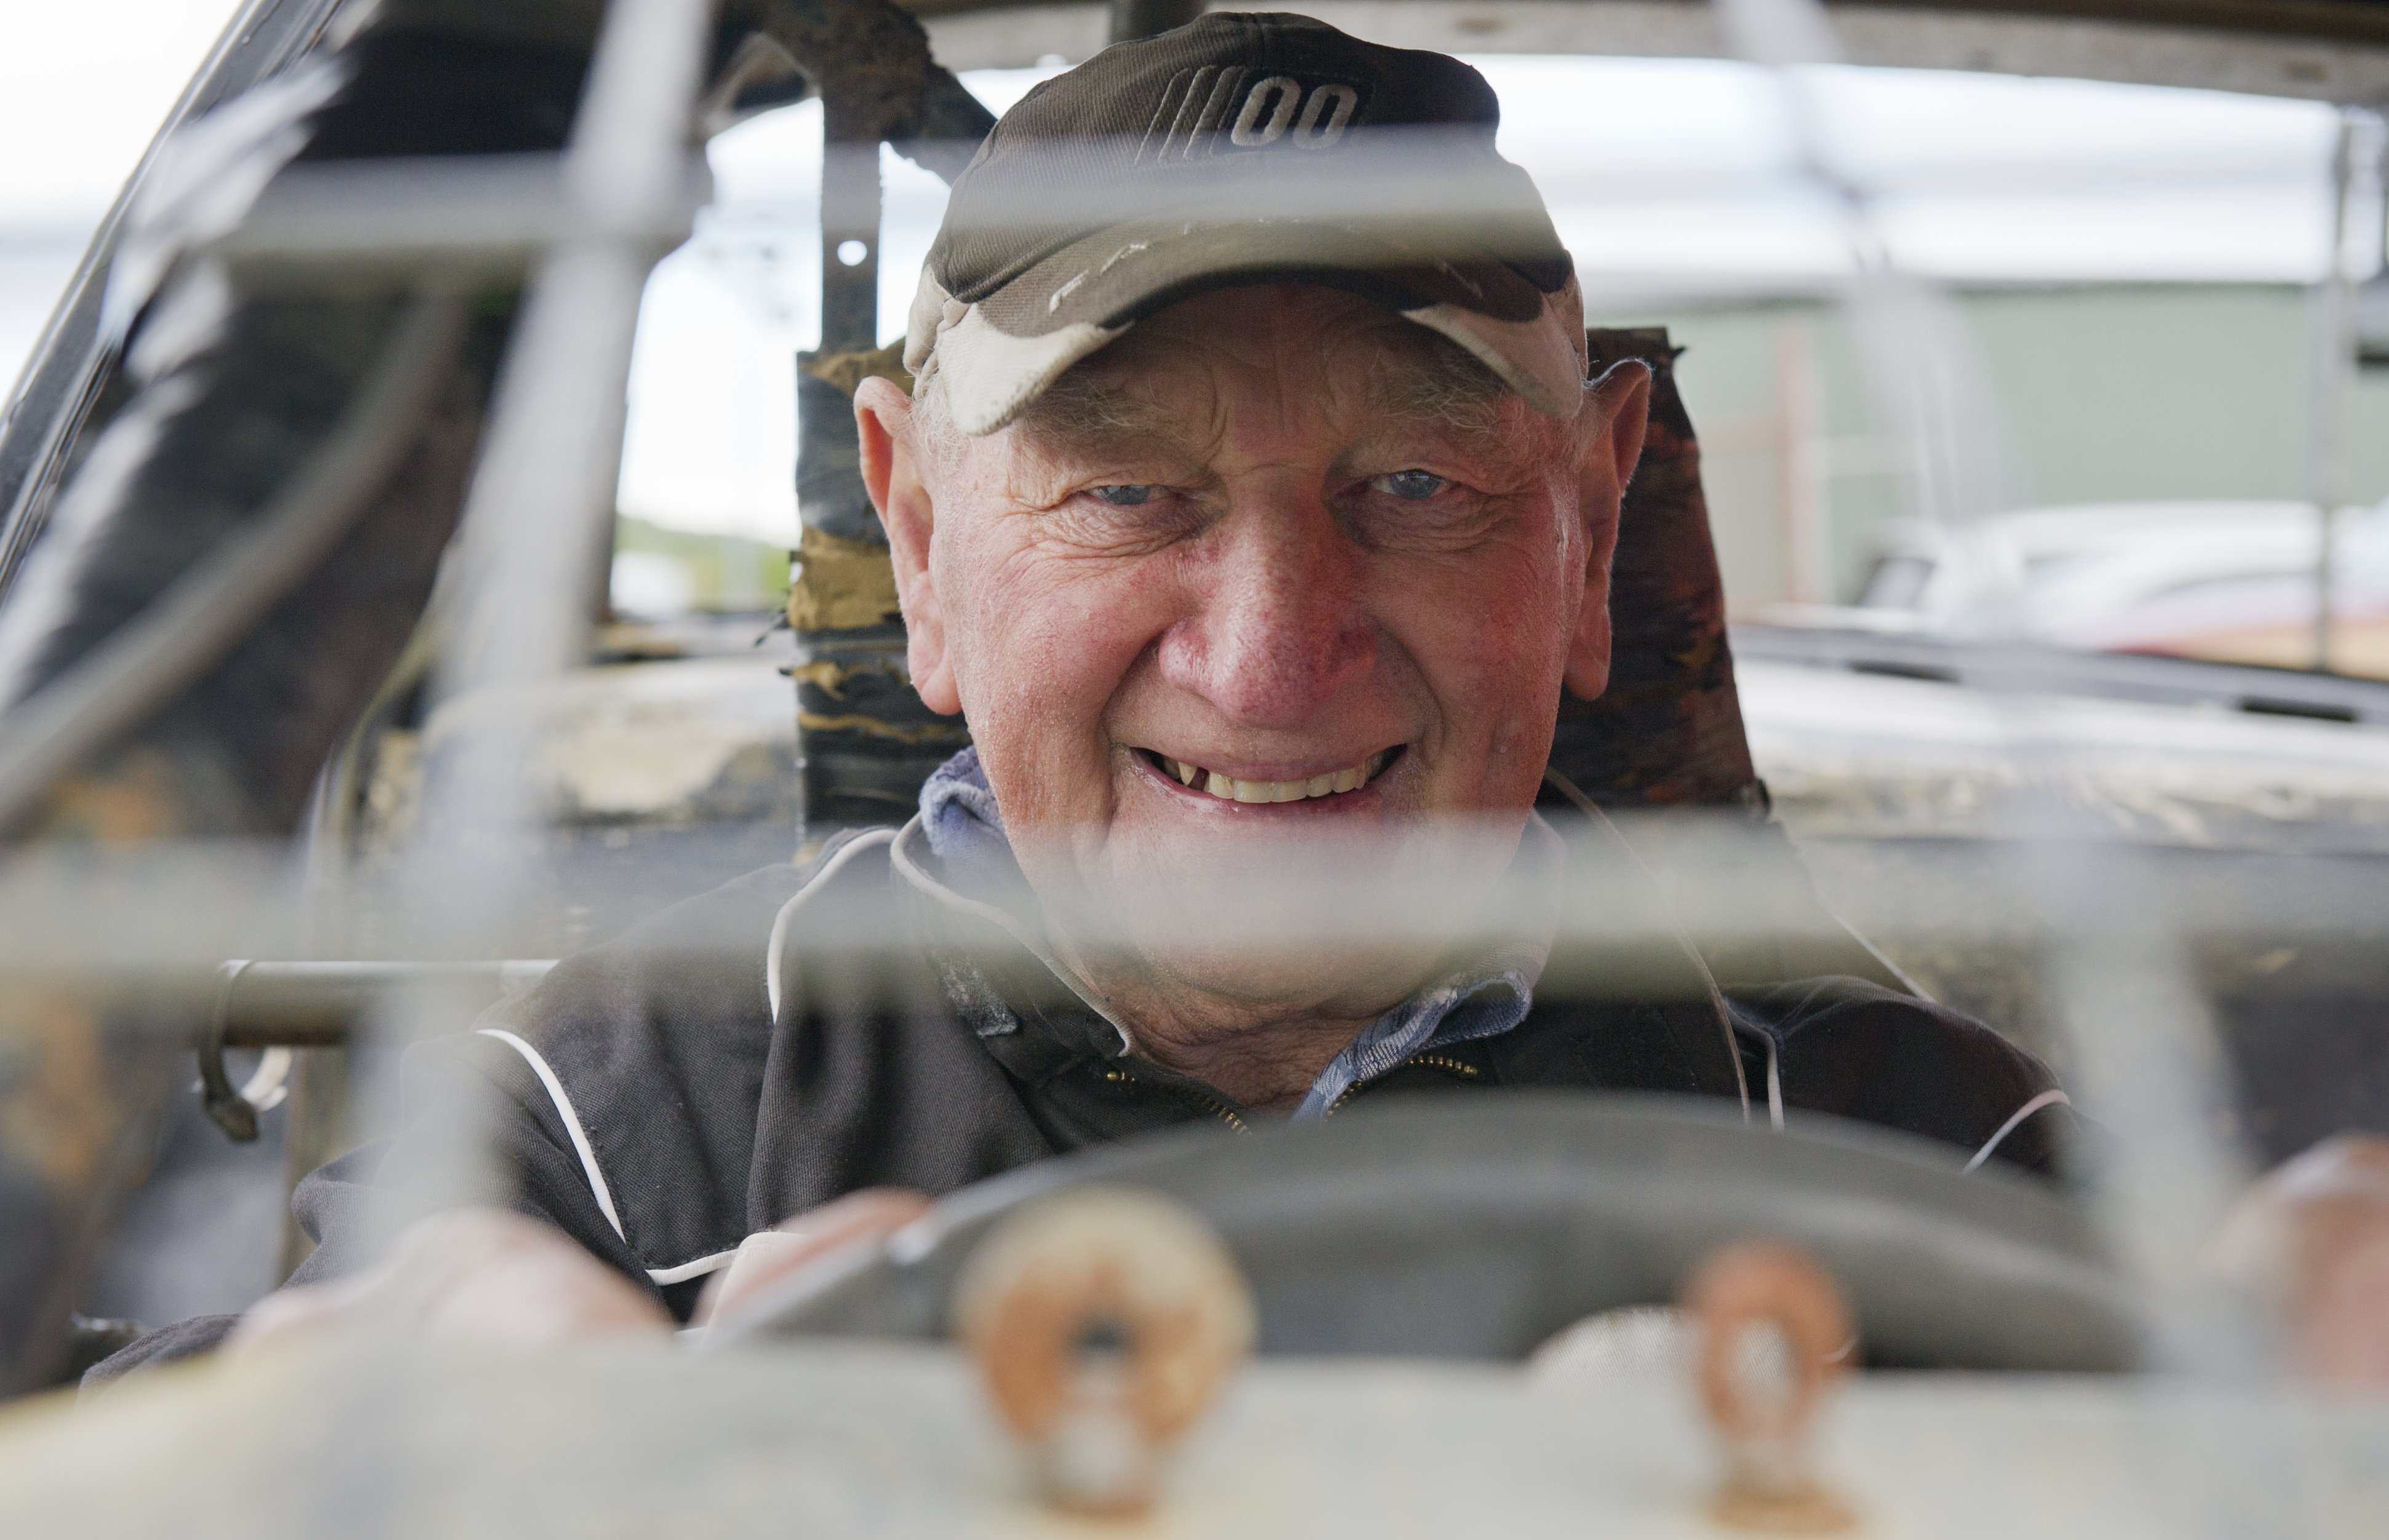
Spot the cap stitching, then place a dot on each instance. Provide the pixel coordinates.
(1215, 111)
(1055, 304)
(1195, 87)
(1309, 133)
(1284, 95)
(1166, 108)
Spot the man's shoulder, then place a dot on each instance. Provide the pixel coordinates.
(702, 969)
(738, 918)
(1855, 1048)
(647, 1056)
(1842, 1015)
(719, 942)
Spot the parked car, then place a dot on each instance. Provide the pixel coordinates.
(2230, 583)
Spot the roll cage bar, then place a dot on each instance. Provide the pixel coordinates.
(488, 307)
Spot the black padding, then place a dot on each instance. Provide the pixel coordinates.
(1478, 1230)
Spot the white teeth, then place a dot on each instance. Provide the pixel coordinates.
(1351, 779)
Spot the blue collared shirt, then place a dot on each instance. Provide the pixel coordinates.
(1485, 1000)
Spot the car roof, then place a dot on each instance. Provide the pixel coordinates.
(2324, 50)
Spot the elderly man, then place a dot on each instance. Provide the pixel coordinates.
(1240, 508)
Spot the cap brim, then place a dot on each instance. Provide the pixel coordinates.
(997, 356)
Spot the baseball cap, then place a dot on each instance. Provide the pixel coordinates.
(1243, 147)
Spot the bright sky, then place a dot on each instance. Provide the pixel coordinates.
(1661, 174)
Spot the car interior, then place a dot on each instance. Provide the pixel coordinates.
(343, 696)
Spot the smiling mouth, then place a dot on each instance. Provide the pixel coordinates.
(1228, 789)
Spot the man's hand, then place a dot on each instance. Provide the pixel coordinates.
(2316, 1231)
(493, 1278)
(484, 1276)
(770, 1255)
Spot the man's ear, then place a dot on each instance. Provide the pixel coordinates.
(1617, 411)
(892, 475)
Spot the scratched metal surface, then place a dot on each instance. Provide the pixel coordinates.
(365, 1439)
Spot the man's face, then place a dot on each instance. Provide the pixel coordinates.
(1277, 565)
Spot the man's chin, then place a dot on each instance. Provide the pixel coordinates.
(1336, 980)
(1296, 921)
(1294, 886)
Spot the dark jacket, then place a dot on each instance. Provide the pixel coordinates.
(708, 1075)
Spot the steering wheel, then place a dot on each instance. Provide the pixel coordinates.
(1477, 1228)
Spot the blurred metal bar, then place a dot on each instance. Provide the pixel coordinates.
(1916, 348)
(849, 215)
(2335, 377)
(318, 1101)
(468, 216)
(2145, 1056)
(2147, 1066)
(537, 528)
(281, 1006)
(539, 518)
(173, 914)
(319, 1004)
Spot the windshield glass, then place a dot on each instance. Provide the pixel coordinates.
(1018, 701)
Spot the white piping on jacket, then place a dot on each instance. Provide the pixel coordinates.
(598, 1187)
(698, 1268)
(773, 985)
(913, 873)
(2046, 1098)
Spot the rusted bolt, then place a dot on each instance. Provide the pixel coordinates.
(1765, 1426)
(1105, 1322)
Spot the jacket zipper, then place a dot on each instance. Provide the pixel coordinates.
(1429, 1061)
(1212, 1105)
(1228, 1115)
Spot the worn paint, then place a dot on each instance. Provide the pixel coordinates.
(840, 584)
(1669, 728)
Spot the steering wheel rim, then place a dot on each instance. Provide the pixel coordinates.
(1479, 1228)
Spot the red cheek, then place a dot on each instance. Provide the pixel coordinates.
(1057, 639)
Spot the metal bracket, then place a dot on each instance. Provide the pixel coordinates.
(237, 1111)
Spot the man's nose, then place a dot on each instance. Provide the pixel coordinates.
(1281, 625)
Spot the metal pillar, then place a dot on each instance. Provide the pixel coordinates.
(867, 741)
(2334, 371)
(849, 224)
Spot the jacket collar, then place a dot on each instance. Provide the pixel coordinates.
(956, 859)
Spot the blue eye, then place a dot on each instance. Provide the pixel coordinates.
(1412, 485)
(1126, 497)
